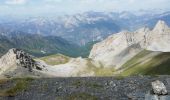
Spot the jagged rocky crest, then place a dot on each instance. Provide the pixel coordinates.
(23, 59)
(16, 62)
(119, 48)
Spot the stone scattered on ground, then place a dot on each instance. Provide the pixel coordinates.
(159, 88)
(87, 88)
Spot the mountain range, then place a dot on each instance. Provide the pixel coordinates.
(39, 45)
(71, 35)
(85, 27)
(125, 53)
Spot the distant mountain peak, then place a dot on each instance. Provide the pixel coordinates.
(160, 26)
(125, 45)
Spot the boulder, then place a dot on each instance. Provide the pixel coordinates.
(159, 88)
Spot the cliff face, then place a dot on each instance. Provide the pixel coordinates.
(119, 48)
(159, 38)
(9, 59)
(17, 62)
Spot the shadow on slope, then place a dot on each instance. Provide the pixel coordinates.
(148, 63)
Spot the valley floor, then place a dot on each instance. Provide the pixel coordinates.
(90, 88)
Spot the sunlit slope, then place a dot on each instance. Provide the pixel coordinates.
(148, 63)
(55, 59)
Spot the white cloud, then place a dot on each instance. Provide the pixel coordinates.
(15, 2)
(131, 1)
(36, 7)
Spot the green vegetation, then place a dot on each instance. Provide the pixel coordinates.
(93, 85)
(104, 71)
(55, 59)
(21, 84)
(39, 45)
(100, 71)
(155, 65)
(136, 59)
(119, 77)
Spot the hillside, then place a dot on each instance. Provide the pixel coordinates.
(39, 45)
(119, 48)
(18, 63)
(148, 63)
(55, 59)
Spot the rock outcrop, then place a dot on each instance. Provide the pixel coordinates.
(23, 59)
(8, 61)
(119, 48)
(16, 61)
(116, 47)
(159, 88)
(159, 38)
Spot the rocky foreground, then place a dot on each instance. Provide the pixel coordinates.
(92, 88)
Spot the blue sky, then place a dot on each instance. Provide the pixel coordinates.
(38, 7)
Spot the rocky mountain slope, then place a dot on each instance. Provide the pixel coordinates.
(17, 63)
(121, 47)
(125, 53)
(159, 38)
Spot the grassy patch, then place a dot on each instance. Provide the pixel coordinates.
(77, 83)
(20, 85)
(157, 65)
(93, 85)
(55, 59)
(104, 71)
(119, 77)
(100, 71)
(136, 58)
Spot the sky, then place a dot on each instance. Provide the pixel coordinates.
(47, 7)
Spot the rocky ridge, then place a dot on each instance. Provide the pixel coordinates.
(15, 61)
(111, 53)
(119, 48)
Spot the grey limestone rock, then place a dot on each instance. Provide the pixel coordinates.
(159, 88)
